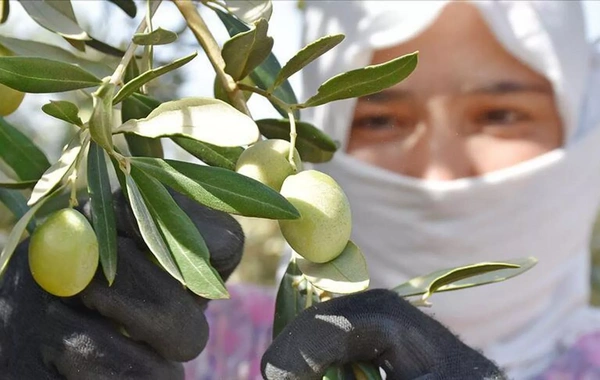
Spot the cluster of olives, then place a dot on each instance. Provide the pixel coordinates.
(323, 229)
(63, 252)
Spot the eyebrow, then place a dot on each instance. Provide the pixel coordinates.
(497, 88)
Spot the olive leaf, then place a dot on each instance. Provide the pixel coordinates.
(464, 277)
(205, 119)
(263, 75)
(103, 214)
(17, 231)
(4, 11)
(149, 231)
(312, 144)
(17, 204)
(219, 188)
(133, 85)
(246, 50)
(38, 49)
(364, 81)
(221, 94)
(57, 172)
(21, 154)
(291, 298)
(41, 75)
(183, 239)
(18, 184)
(210, 154)
(306, 55)
(250, 10)
(138, 106)
(57, 16)
(345, 274)
(128, 6)
(158, 36)
(101, 119)
(63, 110)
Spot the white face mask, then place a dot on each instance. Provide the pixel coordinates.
(544, 207)
(408, 227)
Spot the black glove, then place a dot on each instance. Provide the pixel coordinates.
(84, 336)
(378, 327)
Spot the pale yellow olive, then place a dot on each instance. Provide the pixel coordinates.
(63, 253)
(267, 162)
(325, 223)
(10, 99)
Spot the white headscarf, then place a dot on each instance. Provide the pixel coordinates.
(544, 207)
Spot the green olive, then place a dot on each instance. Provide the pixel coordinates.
(267, 162)
(10, 99)
(325, 223)
(63, 253)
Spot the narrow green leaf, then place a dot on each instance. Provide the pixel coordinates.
(20, 153)
(38, 49)
(134, 85)
(57, 16)
(105, 48)
(102, 116)
(210, 154)
(17, 232)
(18, 184)
(158, 36)
(205, 119)
(345, 274)
(468, 276)
(63, 110)
(58, 171)
(264, 75)
(464, 273)
(40, 75)
(246, 50)
(291, 298)
(103, 214)
(4, 11)
(17, 204)
(219, 188)
(312, 144)
(308, 54)
(364, 81)
(183, 239)
(150, 231)
(128, 6)
(250, 10)
(139, 106)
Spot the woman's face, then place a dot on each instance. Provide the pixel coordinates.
(469, 108)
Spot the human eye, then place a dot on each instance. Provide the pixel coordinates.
(375, 122)
(501, 116)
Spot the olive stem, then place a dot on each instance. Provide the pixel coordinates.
(268, 95)
(309, 293)
(120, 70)
(293, 136)
(72, 182)
(148, 49)
(208, 42)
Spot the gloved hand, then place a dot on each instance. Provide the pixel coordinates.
(375, 326)
(81, 337)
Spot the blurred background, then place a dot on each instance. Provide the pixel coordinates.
(105, 22)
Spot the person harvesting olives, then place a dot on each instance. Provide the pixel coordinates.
(376, 326)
